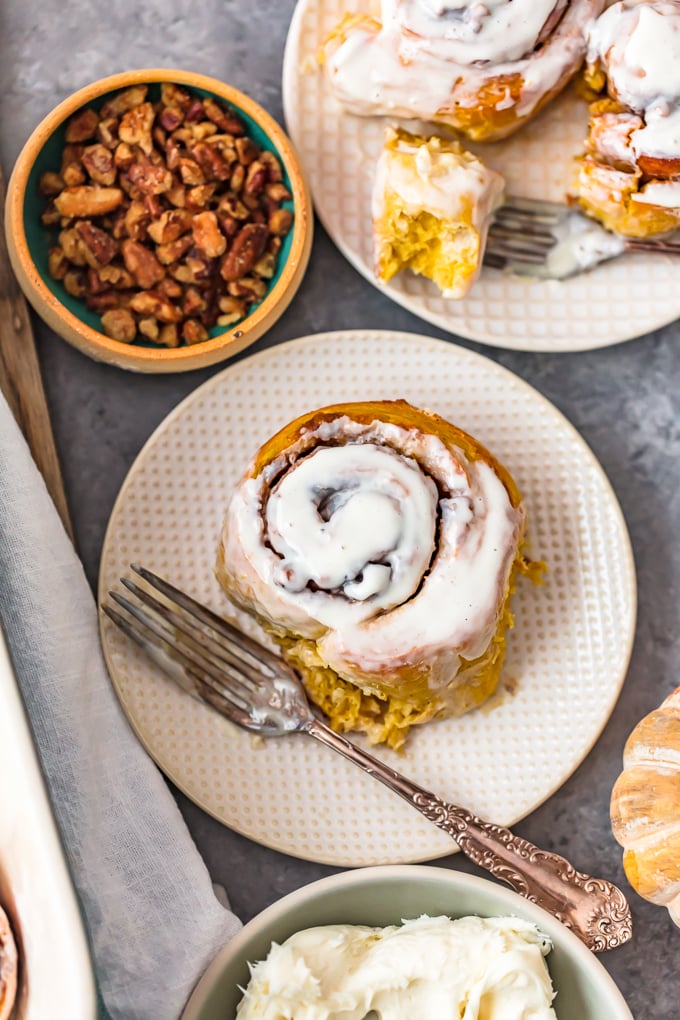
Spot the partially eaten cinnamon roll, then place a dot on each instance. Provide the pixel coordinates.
(481, 68)
(378, 544)
(629, 177)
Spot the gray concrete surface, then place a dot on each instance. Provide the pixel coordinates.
(624, 400)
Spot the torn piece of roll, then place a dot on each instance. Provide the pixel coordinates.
(432, 206)
(481, 68)
(378, 544)
(629, 177)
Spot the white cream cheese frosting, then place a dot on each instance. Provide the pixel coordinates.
(638, 45)
(432, 968)
(377, 541)
(428, 56)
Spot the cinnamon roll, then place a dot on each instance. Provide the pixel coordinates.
(378, 544)
(481, 68)
(432, 205)
(629, 177)
(8, 967)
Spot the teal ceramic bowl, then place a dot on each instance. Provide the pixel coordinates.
(388, 895)
(28, 240)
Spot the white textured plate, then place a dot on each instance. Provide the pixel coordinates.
(617, 301)
(55, 976)
(567, 656)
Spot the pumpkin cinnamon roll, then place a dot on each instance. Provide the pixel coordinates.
(378, 544)
(8, 967)
(629, 177)
(481, 68)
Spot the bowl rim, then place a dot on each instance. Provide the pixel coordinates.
(377, 874)
(157, 359)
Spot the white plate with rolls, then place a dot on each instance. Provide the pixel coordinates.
(619, 300)
(567, 655)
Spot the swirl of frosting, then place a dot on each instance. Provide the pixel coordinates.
(481, 67)
(493, 32)
(638, 45)
(382, 541)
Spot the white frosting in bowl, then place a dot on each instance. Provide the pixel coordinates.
(472, 968)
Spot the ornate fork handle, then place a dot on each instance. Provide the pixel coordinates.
(593, 908)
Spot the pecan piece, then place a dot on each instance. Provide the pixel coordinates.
(229, 205)
(256, 178)
(175, 95)
(245, 251)
(75, 283)
(198, 197)
(123, 157)
(170, 118)
(280, 222)
(82, 126)
(107, 132)
(72, 245)
(149, 328)
(124, 101)
(170, 289)
(73, 174)
(208, 236)
(173, 250)
(194, 303)
(136, 219)
(119, 324)
(152, 304)
(88, 200)
(171, 225)
(142, 263)
(150, 179)
(194, 332)
(98, 161)
(135, 127)
(169, 335)
(101, 245)
(211, 161)
(226, 119)
(247, 150)
(107, 299)
(116, 277)
(278, 192)
(57, 263)
(248, 287)
(190, 171)
(50, 184)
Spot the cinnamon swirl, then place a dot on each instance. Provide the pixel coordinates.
(432, 206)
(378, 544)
(629, 177)
(482, 68)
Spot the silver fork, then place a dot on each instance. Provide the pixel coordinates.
(237, 676)
(552, 240)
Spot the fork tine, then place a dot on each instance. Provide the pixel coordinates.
(536, 209)
(161, 652)
(260, 654)
(196, 637)
(221, 681)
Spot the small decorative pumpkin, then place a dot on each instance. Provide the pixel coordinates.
(645, 806)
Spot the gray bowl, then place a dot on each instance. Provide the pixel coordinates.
(388, 895)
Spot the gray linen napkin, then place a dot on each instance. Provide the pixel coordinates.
(152, 916)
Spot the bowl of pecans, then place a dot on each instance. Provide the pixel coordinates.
(158, 220)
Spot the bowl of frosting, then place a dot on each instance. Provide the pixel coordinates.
(405, 943)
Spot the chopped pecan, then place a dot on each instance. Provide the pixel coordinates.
(175, 95)
(142, 263)
(265, 267)
(226, 119)
(88, 200)
(202, 268)
(194, 112)
(280, 221)
(245, 250)
(150, 179)
(154, 206)
(82, 126)
(124, 101)
(151, 303)
(116, 277)
(274, 171)
(98, 161)
(208, 236)
(75, 283)
(229, 205)
(228, 225)
(171, 225)
(137, 218)
(212, 162)
(247, 150)
(107, 132)
(148, 327)
(238, 177)
(170, 118)
(170, 289)
(57, 263)
(107, 299)
(135, 127)
(119, 324)
(169, 335)
(174, 250)
(278, 192)
(194, 332)
(102, 246)
(194, 303)
(172, 154)
(248, 287)
(50, 184)
(190, 171)
(228, 305)
(203, 130)
(71, 244)
(73, 174)
(181, 273)
(197, 198)
(177, 196)
(256, 178)
(123, 157)
(50, 216)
